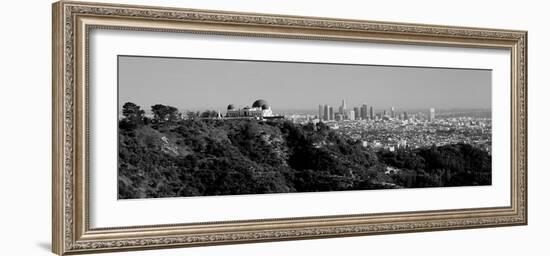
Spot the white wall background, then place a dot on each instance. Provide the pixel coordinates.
(25, 140)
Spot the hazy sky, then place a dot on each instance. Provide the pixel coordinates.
(198, 84)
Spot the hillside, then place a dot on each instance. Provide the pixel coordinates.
(227, 157)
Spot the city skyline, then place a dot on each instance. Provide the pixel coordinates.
(198, 84)
(364, 112)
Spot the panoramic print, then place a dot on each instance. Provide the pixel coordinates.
(208, 127)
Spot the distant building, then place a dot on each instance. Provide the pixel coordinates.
(402, 144)
(325, 112)
(405, 116)
(364, 112)
(371, 113)
(259, 109)
(330, 113)
(320, 112)
(339, 117)
(343, 108)
(351, 115)
(431, 117)
(357, 113)
(392, 112)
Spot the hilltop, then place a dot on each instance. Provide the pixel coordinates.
(197, 157)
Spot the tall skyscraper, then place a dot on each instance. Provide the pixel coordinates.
(385, 113)
(325, 112)
(392, 112)
(364, 112)
(320, 112)
(356, 111)
(431, 117)
(343, 108)
(351, 115)
(371, 113)
(330, 113)
(405, 116)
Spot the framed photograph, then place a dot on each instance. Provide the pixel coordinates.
(178, 127)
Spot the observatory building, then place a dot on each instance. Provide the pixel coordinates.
(260, 109)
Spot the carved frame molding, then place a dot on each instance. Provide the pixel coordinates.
(72, 22)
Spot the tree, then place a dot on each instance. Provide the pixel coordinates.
(209, 114)
(192, 115)
(132, 112)
(165, 113)
(133, 116)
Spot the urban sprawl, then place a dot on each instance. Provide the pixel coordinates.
(392, 129)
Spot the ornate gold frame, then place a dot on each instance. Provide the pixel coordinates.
(72, 22)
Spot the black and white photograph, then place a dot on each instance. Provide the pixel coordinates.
(210, 127)
(146, 128)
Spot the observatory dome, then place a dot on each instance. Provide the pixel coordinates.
(260, 104)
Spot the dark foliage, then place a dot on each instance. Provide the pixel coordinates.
(133, 116)
(449, 165)
(165, 113)
(209, 114)
(195, 157)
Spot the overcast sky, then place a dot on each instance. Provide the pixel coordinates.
(198, 84)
